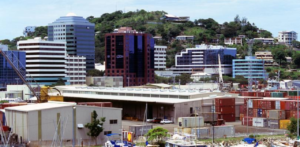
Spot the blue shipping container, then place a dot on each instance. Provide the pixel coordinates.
(259, 112)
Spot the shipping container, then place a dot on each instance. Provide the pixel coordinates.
(259, 113)
(227, 117)
(276, 114)
(273, 123)
(276, 94)
(259, 94)
(241, 107)
(287, 114)
(226, 109)
(259, 122)
(200, 132)
(254, 103)
(221, 131)
(292, 93)
(140, 130)
(187, 130)
(282, 105)
(267, 94)
(225, 102)
(284, 123)
(277, 105)
(241, 117)
(293, 114)
(209, 116)
(247, 93)
(255, 113)
(247, 121)
(191, 122)
(5, 105)
(250, 103)
(249, 112)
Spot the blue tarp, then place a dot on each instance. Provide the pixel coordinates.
(249, 140)
(112, 134)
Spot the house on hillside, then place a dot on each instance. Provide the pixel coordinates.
(234, 40)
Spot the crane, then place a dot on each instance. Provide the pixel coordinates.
(27, 78)
(221, 82)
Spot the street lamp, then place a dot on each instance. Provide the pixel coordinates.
(73, 112)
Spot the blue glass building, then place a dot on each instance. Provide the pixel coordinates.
(204, 58)
(78, 33)
(7, 74)
(249, 67)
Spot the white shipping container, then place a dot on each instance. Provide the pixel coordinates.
(250, 103)
(190, 122)
(259, 122)
(277, 105)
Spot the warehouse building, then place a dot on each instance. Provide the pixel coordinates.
(37, 122)
(162, 103)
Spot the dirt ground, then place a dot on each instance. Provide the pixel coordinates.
(238, 127)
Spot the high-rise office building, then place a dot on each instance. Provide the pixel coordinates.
(78, 34)
(160, 55)
(45, 60)
(8, 76)
(130, 54)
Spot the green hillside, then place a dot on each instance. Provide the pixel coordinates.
(204, 30)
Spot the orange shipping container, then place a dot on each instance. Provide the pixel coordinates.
(282, 105)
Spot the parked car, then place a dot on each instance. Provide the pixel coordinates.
(166, 121)
(157, 120)
(150, 120)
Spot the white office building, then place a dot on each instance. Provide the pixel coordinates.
(287, 37)
(76, 69)
(160, 57)
(45, 60)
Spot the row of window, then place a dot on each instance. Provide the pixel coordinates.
(42, 49)
(128, 94)
(45, 44)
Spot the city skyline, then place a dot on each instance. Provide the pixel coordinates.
(272, 15)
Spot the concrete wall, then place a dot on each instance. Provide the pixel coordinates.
(40, 125)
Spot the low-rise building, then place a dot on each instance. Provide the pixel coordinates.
(185, 38)
(265, 41)
(172, 18)
(161, 103)
(289, 59)
(40, 123)
(198, 76)
(28, 29)
(160, 57)
(115, 81)
(266, 56)
(287, 37)
(235, 40)
(250, 67)
(76, 69)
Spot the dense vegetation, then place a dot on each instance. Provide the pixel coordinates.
(205, 31)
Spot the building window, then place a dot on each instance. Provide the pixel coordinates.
(113, 121)
(107, 132)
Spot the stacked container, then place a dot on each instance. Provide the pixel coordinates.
(226, 109)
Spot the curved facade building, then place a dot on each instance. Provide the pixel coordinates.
(79, 35)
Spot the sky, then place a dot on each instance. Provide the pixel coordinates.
(271, 15)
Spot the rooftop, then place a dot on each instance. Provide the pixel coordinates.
(41, 106)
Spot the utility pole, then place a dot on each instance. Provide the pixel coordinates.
(297, 113)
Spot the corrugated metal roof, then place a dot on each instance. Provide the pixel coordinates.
(41, 106)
